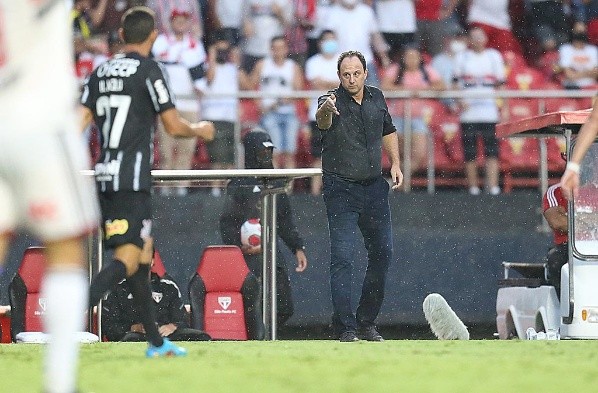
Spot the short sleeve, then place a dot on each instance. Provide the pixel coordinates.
(158, 89)
(89, 96)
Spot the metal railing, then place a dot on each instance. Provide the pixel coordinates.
(268, 221)
(408, 96)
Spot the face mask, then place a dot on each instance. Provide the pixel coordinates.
(329, 47)
(458, 46)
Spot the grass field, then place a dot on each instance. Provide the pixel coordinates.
(323, 366)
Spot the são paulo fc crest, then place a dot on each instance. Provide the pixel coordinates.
(157, 296)
(224, 301)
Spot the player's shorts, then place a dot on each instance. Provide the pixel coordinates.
(42, 189)
(126, 217)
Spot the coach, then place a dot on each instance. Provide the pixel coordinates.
(355, 126)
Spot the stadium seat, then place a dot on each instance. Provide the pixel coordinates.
(224, 296)
(5, 325)
(158, 266)
(27, 306)
(522, 108)
(519, 160)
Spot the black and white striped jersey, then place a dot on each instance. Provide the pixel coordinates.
(125, 94)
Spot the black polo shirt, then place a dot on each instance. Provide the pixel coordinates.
(352, 146)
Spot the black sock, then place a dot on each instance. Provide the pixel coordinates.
(142, 295)
(106, 280)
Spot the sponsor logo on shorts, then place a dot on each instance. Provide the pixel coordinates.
(225, 302)
(116, 227)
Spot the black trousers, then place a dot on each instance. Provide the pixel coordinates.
(556, 258)
(181, 334)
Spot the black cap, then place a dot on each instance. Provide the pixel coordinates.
(257, 138)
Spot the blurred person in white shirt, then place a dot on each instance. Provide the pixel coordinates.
(183, 57)
(321, 74)
(579, 62)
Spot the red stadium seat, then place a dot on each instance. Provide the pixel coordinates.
(158, 266)
(250, 113)
(519, 160)
(27, 306)
(522, 108)
(5, 325)
(525, 78)
(224, 296)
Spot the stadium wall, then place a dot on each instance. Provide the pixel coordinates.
(451, 243)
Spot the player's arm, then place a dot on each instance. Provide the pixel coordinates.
(85, 117)
(556, 217)
(176, 126)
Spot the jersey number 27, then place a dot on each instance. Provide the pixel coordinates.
(112, 129)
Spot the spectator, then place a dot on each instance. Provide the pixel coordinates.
(549, 25)
(397, 23)
(222, 77)
(277, 74)
(356, 28)
(85, 18)
(320, 72)
(304, 15)
(433, 24)
(585, 14)
(492, 16)
(444, 62)
(555, 208)
(121, 322)
(411, 74)
(227, 19)
(164, 9)
(480, 69)
(183, 58)
(243, 202)
(263, 20)
(115, 9)
(579, 62)
(320, 20)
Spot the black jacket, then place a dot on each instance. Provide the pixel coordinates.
(119, 310)
(243, 201)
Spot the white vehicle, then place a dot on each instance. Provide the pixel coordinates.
(524, 303)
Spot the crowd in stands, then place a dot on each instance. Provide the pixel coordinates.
(281, 46)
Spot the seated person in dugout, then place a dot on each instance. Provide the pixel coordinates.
(555, 208)
(121, 322)
(243, 202)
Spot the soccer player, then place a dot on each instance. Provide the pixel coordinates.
(123, 96)
(41, 155)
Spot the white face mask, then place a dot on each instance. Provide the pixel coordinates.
(457, 46)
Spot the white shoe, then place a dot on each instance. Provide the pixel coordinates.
(474, 190)
(494, 190)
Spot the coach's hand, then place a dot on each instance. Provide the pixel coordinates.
(397, 177)
(330, 105)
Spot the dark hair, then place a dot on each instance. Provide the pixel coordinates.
(324, 32)
(350, 53)
(137, 23)
(402, 66)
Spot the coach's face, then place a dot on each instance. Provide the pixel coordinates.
(352, 75)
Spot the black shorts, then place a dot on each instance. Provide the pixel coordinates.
(316, 140)
(126, 217)
(470, 132)
(222, 148)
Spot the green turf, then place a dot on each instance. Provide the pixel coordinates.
(323, 366)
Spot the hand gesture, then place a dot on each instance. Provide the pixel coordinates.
(205, 130)
(330, 105)
(301, 261)
(570, 183)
